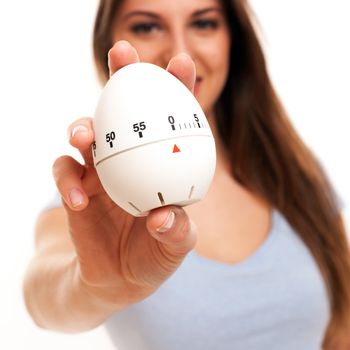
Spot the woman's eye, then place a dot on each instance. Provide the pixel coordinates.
(144, 28)
(205, 24)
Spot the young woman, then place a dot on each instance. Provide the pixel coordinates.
(261, 263)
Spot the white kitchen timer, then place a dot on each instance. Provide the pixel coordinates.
(153, 144)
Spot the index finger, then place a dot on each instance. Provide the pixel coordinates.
(120, 55)
(81, 134)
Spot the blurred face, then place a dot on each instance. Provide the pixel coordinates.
(160, 29)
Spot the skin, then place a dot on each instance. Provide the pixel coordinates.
(159, 30)
(100, 259)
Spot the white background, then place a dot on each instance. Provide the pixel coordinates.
(47, 80)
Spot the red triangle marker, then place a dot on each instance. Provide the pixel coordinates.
(176, 149)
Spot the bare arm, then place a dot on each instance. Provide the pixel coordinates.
(54, 294)
(92, 258)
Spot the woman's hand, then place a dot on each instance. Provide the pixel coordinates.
(120, 259)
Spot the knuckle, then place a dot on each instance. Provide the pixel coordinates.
(63, 168)
(58, 161)
(60, 183)
(57, 165)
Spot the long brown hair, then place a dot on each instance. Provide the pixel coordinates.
(267, 155)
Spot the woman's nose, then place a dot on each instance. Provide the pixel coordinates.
(178, 43)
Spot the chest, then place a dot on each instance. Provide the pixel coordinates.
(232, 223)
(277, 294)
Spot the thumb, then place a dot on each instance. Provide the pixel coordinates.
(172, 227)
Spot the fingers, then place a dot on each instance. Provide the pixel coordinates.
(67, 173)
(81, 136)
(172, 227)
(120, 55)
(80, 132)
(183, 68)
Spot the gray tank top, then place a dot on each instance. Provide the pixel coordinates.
(275, 299)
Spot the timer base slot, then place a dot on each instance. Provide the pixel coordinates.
(135, 207)
(191, 192)
(161, 198)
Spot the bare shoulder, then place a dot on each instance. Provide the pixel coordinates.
(52, 231)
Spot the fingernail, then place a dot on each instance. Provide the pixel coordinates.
(168, 223)
(123, 44)
(184, 55)
(79, 129)
(76, 197)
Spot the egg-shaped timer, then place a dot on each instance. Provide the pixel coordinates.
(153, 144)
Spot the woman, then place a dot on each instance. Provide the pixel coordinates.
(261, 263)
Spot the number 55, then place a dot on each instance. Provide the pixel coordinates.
(139, 126)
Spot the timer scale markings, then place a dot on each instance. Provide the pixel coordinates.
(171, 120)
(196, 123)
(197, 120)
(141, 126)
(136, 208)
(110, 137)
(145, 144)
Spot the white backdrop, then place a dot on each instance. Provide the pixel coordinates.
(47, 80)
